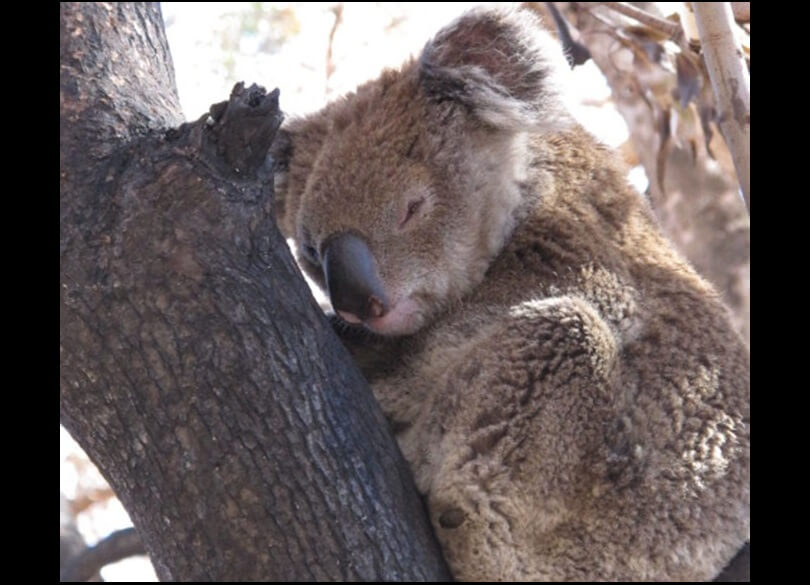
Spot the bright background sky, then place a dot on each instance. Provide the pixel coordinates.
(285, 45)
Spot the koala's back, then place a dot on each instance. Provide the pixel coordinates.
(584, 413)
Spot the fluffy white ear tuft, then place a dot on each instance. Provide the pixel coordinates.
(500, 63)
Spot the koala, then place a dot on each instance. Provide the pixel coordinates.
(569, 393)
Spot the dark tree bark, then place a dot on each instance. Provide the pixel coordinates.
(196, 369)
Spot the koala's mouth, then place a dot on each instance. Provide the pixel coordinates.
(404, 318)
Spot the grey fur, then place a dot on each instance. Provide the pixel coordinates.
(568, 391)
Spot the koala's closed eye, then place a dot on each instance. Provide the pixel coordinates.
(413, 208)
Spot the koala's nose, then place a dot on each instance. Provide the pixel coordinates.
(351, 277)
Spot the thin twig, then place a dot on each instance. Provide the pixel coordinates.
(117, 546)
(672, 29)
(337, 10)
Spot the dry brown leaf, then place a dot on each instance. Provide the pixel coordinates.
(90, 498)
(689, 79)
(707, 114)
(647, 42)
(689, 24)
(722, 155)
(629, 154)
(664, 134)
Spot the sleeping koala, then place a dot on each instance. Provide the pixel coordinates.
(569, 393)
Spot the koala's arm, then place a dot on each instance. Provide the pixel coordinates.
(504, 439)
(532, 471)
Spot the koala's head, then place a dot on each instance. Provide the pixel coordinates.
(399, 195)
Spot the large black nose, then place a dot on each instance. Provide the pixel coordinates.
(352, 278)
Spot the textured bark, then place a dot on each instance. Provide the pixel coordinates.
(699, 207)
(197, 371)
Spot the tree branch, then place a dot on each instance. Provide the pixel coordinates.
(117, 546)
(731, 83)
(669, 28)
(197, 372)
(337, 10)
(742, 11)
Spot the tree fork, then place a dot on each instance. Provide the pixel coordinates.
(196, 369)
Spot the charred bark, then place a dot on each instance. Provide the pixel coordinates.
(197, 371)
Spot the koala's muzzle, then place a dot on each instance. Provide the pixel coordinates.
(351, 277)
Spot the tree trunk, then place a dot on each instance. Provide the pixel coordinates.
(197, 371)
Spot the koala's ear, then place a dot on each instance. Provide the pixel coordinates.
(502, 65)
(294, 151)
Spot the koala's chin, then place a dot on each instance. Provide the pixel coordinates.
(404, 318)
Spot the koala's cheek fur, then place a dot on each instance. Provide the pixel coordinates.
(569, 393)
